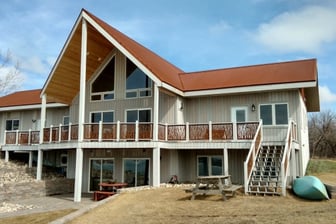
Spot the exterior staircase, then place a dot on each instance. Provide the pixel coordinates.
(266, 177)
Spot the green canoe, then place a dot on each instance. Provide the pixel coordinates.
(310, 187)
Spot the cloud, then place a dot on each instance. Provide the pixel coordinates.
(326, 95)
(35, 64)
(305, 30)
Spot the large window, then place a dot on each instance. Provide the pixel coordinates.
(12, 125)
(136, 172)
(105, 117)
(138, 115)
(138, 84)
(102, 88)
(210, 165)
(274, 114)
(101, 170)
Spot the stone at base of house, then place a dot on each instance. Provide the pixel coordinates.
(15, 191)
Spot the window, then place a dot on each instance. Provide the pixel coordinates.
(210, 165)
(138, 84)
(105, 117)
(101, 170)
(136, 172)
(102, 88)
(138, 115)
(274, 114)
(12, 125)
(66, 120)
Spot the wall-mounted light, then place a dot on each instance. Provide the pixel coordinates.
(181, 106)
(253, 108)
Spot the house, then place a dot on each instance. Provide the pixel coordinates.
(131, 116)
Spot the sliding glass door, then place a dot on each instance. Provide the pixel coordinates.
(101, 170)
(136, 172)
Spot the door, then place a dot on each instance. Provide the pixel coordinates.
(238, 115)
(136, 172)
(101, 170)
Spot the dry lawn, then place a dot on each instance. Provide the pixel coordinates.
(173, 205)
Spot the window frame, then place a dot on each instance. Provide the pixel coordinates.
(209, 162)
(102, 95)
(101, 115)
(137, 91)
(273, 112)
(138, 110)
(12, 124)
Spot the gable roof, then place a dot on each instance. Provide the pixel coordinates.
(63, 82)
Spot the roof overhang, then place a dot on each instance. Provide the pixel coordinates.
(31, 107)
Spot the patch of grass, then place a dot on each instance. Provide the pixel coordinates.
(37, 218)
(317, 166)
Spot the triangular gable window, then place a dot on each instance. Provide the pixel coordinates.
(102, 88)
(138, 84)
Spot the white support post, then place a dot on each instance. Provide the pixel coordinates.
(39, 164)
(30, 162)
(136, 131)
(156, 113)
(226, 161)
(118, 131)
(78, 175)
(100, 131)
(43, 116)
(81, 111)
(6, 156)
(156, 167)
(81, 115)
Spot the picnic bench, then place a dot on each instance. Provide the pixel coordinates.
(214, 185)
(107, 190)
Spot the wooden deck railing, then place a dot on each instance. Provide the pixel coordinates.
(251, 156)
(136, 131)
(291, 136)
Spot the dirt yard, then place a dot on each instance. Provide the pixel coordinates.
(173, 205)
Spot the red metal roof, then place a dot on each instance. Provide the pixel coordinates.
(21, 98)
(266, 74)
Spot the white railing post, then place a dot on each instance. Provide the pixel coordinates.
(60, 133)
(29, 136)
(5, 137)
(50, 134)
(118, 131)
(136, 130)
(210, 131)
(187, 131)
(69, 131)
(166, 132)
(100, 131)
(17, 137)
(234, 131)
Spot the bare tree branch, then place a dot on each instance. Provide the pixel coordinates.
(10, 79)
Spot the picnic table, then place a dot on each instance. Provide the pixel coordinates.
(107, 189)
(213, 185)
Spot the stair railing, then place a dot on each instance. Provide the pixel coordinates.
(251, 156)
(286, 155)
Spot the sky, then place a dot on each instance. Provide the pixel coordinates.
(194, 35)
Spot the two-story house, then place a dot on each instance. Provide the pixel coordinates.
(131, 116)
